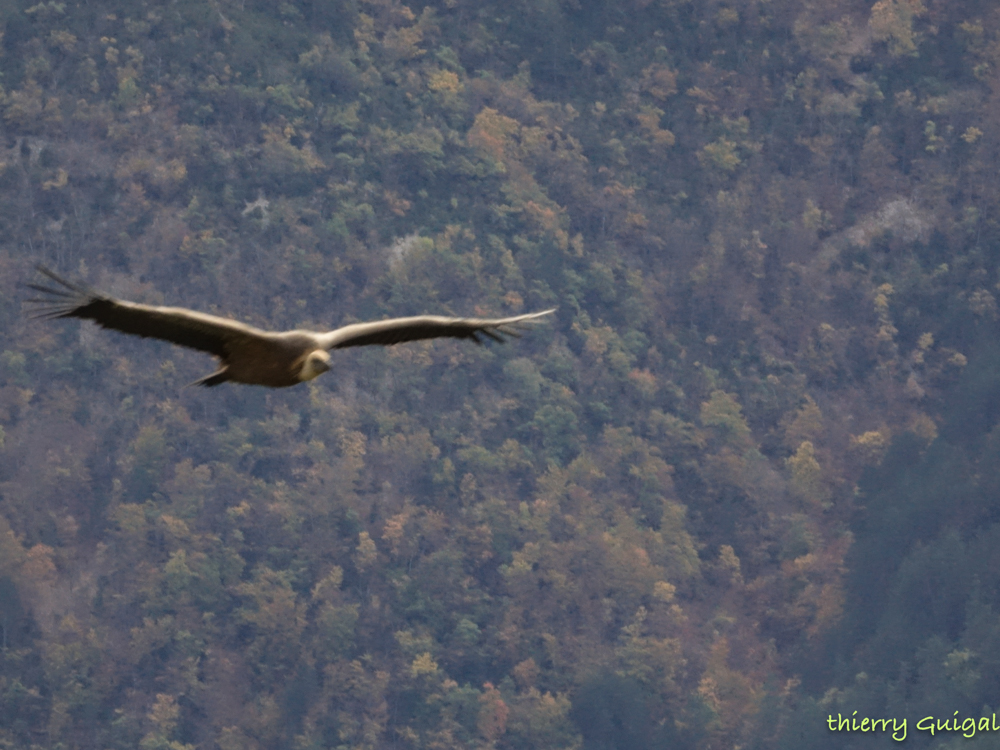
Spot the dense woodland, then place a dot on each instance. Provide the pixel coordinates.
(749, 474)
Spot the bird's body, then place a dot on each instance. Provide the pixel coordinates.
(250, 355)
(275, 360)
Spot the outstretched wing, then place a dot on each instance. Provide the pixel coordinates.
(206, 333)
(398, 330)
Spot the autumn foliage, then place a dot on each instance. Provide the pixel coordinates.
(746, 477)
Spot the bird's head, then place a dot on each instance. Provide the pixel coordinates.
(315, 364)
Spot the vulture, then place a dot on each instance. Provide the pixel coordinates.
(250, 355)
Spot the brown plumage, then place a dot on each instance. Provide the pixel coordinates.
(250, 355)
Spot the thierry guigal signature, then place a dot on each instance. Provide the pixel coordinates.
(967, 727)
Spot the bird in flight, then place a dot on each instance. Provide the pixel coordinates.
(247, 354)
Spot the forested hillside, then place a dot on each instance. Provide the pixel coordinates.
(748, 475)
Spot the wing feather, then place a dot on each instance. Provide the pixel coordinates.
(207, 333)
(398, 330)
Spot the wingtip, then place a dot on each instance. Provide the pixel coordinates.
(80, 289)
(540, 314)
(48, 290)
(46, 271)
(534, 316)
